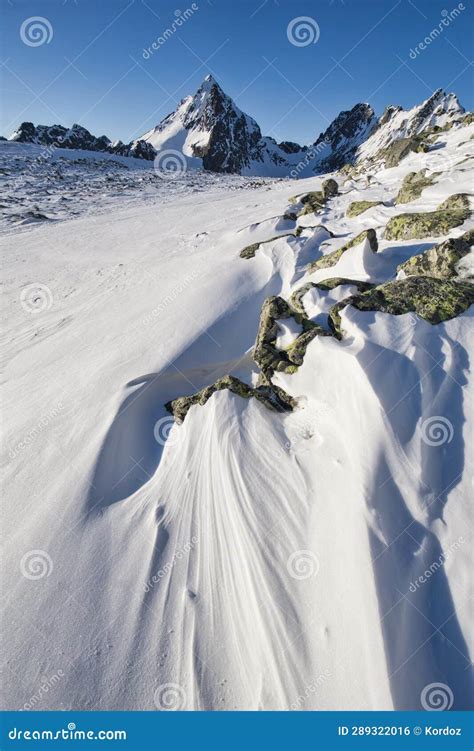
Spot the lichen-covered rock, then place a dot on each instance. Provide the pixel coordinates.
(434, 300)
(451, 213)
(250, 250)
(330, 188)
(296, 299)
(265, 353)
(358, 207)
(339, 281)
(268, 357)
(440, 261)
(272, 397)
(297, 350)
(398, 150)
(412, 186)
(312, 202)
(330, 259)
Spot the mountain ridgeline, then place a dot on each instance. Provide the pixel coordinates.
(213, 134)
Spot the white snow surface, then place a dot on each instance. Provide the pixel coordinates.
(253, 560)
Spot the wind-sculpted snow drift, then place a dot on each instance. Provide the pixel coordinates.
(298, 538)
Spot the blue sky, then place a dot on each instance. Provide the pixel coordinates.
(93, 70)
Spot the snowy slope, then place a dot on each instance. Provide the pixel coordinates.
(244, 559)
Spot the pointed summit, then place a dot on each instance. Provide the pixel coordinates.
(209, 126)
(339, 141)
(436, 111)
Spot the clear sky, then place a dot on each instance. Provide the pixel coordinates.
(93, 69)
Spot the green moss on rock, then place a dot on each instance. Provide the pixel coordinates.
(250, 250)
(273, 398)
(330, 188)
(330, 259)
(412, 186)
(358, 207)
(339, 281)
(268, 357)
(451, 213)
(434, 300)
(296, 299)
(399, 149)
(441, 260)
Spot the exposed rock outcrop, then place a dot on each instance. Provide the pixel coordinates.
(440, 261)
(330, 259)
(413, 186)
(434, 300)
(358, 207)
(296, 299)
(273, 398)
(451, 213)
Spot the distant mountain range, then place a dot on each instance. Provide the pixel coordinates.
(212, 133)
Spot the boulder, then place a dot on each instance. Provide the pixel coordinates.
(330, 259)
(441, 260)
(434, 300)
(412, 186)
(358, 207)
(451, 213)
(330, 188)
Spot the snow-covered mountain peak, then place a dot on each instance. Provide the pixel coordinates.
(346, 132)
(214, 133)
(438, 110)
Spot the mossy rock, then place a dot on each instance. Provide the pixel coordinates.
(358, 207)
(250, 250)
(273, 398)
(339, 281)
(440, 261)
(297, 350)
(180, 407)
(412, 186)
(451, 213)
(268, 357)
(296, 299)
(312, 202)
(348, 171)
(434, 300)
(331, 259)
(330, 188)
(399, 149)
